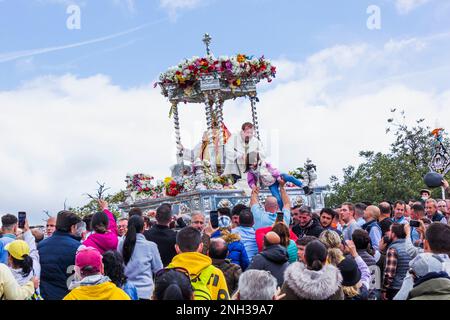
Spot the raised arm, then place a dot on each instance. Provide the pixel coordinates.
(254, 197)
(112, 226)
(284, 195)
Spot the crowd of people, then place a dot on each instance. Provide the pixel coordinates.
(362, 251)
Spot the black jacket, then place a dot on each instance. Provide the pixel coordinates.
(273, 259)
(165, 239)
(312, 229)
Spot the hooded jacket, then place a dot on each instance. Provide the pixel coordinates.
(437, 288)
(236, 250)
(274, 259)
(104, 241)
(195, 263)
(97, 287)
(10, 289)
(303, 284)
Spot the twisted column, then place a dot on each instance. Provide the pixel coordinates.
(176, 121)
(253, 101)
(209, 123)
(221, 131)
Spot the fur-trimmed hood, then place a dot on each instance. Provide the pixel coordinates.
(230, 237)
(313, 285)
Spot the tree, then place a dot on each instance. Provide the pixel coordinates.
(392, 176)
(92, 206)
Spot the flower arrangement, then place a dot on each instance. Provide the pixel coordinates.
(172, 187)
(231, 69)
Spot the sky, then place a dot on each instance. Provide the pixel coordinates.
(78, 105)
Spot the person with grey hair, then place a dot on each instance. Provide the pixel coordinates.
(198, 222)
(431, 208)
(257, 285)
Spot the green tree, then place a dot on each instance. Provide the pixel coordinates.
(392, 176)
(92, 206)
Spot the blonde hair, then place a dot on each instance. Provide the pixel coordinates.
(332, 241)
(351, 292)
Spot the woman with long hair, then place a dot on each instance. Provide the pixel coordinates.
(282, 230)
(23, 258)
(114, 269)
(104, 236)
(141, 258)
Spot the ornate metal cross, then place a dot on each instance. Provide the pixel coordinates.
(207, 41)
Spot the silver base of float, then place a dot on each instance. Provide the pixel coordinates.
(208, 200)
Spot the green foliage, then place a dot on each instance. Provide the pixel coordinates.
(298, 173)
(92, 206)
(392, 176)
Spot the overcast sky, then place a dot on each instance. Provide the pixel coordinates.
(78, 105)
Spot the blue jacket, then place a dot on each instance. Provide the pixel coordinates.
(57, 258)
(238, 255)
(7, 238)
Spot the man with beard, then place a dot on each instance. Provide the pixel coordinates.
(327, 216)
(307, 226)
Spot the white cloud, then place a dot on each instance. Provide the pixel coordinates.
(406, 6)
(174, 6)
(65, 133)
(412, 43)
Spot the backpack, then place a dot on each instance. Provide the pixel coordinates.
(200, 284)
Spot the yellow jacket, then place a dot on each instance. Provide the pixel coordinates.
(195, 263)
(10, 289)
(103, 291)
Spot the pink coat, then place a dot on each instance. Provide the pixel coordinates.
(104, 241)
(251, 178)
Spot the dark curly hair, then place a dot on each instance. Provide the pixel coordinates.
(113, 266)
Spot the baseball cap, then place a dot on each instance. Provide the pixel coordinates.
(224, 222)
(425, 263)
(17, 249)
(88, 257)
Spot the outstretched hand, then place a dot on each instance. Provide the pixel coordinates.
(445, 184)
(102, 204)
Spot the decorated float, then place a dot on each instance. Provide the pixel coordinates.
(196, 182)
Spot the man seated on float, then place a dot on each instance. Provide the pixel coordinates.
(236, 150)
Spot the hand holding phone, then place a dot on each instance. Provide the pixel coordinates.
(414, 223)
(214, 219)
(22, 216)
(280, 216)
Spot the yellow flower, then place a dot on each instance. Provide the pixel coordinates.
(238, 82)
(241, 58)
(167, 180)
